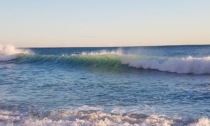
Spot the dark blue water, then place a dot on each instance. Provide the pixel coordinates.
(167, 85)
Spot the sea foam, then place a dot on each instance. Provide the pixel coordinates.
(94, 118)
(194, 65)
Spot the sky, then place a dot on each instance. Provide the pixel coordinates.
(92, 23)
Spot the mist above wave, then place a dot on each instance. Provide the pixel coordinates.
(10, 52)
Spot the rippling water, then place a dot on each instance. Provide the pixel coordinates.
(163, 86)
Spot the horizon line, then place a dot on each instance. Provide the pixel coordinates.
(116, 46)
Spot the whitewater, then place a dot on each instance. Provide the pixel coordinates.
(124, 86)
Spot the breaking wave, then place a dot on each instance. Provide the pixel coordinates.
(193, 65)
(185, 65)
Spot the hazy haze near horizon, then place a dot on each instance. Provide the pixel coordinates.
(53, 23)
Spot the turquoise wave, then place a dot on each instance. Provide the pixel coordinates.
(75, 60)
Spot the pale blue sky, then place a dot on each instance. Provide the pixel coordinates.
(61, 23)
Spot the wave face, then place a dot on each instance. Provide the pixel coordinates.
(108, 60)
(117, 58)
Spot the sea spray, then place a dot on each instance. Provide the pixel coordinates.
(9, 52)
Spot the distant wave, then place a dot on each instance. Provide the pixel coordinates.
(185, 65)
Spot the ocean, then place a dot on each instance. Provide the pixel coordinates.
(113, 86)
